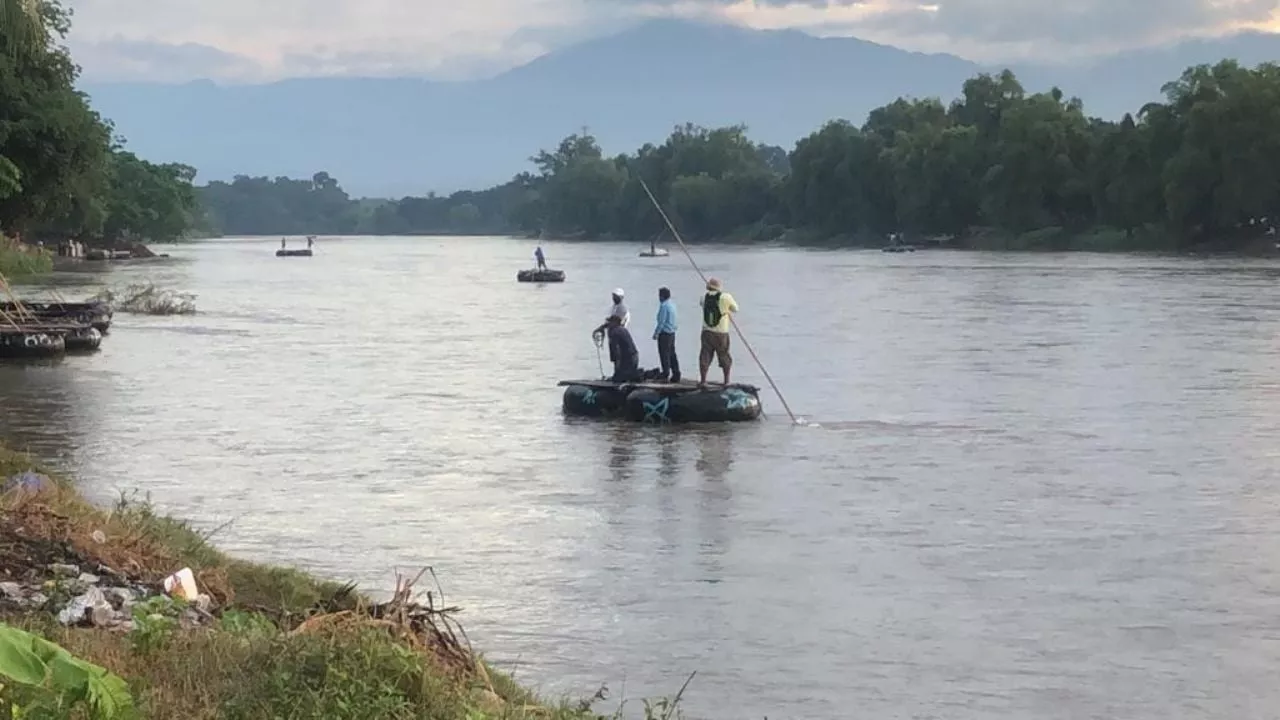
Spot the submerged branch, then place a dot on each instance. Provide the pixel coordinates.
(147, 299)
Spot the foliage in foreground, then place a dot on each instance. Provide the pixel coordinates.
(285, 645)
(1001, 165)
(39, 681)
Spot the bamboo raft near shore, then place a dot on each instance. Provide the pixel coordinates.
(96, 314)
(34, 339)
(48, 329)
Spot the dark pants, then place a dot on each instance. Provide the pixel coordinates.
(626, 369)
(667, 356)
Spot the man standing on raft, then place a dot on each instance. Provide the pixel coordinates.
(542, 259)
(717, 306)
(665, 333)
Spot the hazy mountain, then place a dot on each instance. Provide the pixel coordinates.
(401, 136)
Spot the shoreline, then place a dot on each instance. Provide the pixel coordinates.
(1102, 240)
(255, 641)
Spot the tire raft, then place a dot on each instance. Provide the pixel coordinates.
(586, 401)
(731, 404)
(540, 276)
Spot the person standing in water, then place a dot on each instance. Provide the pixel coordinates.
(542, 259)
(717, 307)
(665, 333)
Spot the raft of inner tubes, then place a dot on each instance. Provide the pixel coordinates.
(540, 276)
(294, 253)
(95, 313)
(660, 403)
(31, 344)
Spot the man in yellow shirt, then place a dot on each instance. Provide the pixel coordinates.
(717, 306)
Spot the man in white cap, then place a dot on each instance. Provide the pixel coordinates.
(618, 310)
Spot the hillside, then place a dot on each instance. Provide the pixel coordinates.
(402, 136)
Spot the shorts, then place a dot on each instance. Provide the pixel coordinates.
(717, 344)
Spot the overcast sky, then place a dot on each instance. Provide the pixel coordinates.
(256, 40)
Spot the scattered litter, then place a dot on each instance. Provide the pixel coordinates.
(61, 570)
(99, 537)
(11, 591)
(182, 584)
(83, 607)
(26, 482)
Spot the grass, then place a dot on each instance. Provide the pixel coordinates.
(285, 645)
(17, 260)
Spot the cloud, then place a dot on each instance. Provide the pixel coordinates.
(266, 39)
(993, 29)
(257, 40)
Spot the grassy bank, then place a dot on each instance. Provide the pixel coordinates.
(276, 643)
(18, 260)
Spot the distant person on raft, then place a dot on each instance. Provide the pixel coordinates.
(717, 307)
(542, 259)
(282, 243)
(665, 333)
(623, 352)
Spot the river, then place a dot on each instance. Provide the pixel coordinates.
(1042, 485)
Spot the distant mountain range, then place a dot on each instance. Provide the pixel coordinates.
(392, 137)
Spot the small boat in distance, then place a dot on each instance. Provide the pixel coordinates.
(540, 276)
(284, 251)
(654, 250)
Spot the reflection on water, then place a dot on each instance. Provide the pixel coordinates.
(1044, 486)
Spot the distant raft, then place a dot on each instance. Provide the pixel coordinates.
(898, 248)
(294, 253)
(659, 403)
(540, 276)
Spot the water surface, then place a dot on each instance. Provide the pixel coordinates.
(1044, 486)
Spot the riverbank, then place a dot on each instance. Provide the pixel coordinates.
(19, 261)
(257, 641)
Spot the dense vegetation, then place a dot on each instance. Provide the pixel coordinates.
(998, 167)
(62, 173)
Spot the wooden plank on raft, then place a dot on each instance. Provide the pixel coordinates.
(684, 386)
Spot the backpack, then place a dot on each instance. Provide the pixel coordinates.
(711, 313)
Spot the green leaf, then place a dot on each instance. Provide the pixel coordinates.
(18, 661)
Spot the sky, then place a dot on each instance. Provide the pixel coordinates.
(264, 40)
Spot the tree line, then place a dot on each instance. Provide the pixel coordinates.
(997, 167)
(63, 173)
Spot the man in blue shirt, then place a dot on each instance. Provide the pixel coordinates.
(665, 334)
(540, 258)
